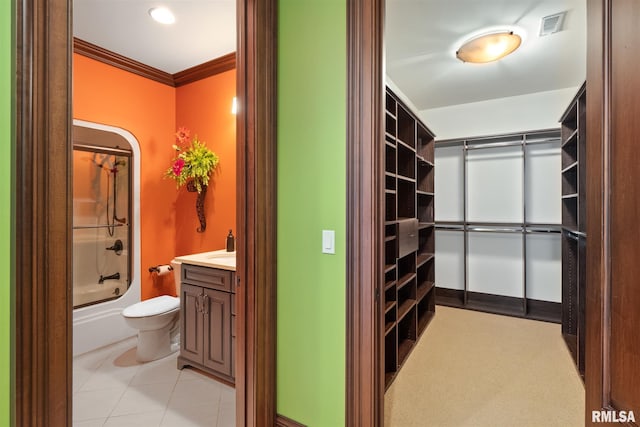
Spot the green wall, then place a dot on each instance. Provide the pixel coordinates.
(311, 197)
(5, 207)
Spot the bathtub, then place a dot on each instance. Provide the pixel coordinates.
(87, 294)
(100, 324)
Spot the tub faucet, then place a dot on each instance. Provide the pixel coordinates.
(117, 247)
(115, 276)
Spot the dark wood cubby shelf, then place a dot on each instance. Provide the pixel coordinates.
(571, 138)
(404, 349)
(405, 178)
(409, 291)
(389, 327)
(424, 320)
(405, 308)
(573, 176)
(424, 289)
(570, 167)
(424, 161)
(423, 258)
(389, 305)
(406, 279)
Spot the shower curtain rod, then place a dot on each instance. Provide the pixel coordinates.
(84, 227)
(102, 149)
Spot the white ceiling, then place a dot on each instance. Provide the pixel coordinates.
(204, 30)
(421, 37)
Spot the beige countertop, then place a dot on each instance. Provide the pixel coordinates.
(215, 259)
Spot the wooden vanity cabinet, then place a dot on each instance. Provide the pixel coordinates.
(206, 314)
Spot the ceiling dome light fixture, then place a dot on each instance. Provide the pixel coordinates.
(489, 47)
(162, 15)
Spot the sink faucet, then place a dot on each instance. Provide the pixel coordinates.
(115, 276)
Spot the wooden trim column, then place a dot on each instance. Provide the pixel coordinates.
(598, 140)
(365, 391)
(256, 213)
(42, 354)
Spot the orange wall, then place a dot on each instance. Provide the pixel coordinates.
(152, 112)
(204, 107)
(104, 94)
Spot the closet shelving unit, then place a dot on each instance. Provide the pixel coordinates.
(409, 277)
(499, 304)
(573, 127)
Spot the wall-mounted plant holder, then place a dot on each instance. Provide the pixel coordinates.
(191, 187)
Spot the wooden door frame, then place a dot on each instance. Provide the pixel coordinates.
(598, 276)
(599, 167)
(364, 388)
(364, 391)
(42, 317)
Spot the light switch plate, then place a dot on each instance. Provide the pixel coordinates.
(328, 242)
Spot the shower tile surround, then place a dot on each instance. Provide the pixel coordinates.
(111, 389)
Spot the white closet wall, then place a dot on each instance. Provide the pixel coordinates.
(450, 259)
(449, 183)
(543, 184)
(509, 188)
(544, 267)
(494, 185)
(495, 264)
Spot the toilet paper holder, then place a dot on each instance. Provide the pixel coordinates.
(156, 269)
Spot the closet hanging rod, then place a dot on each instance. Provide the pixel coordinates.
(494, 224)
(543, 225)
(533, 135)
(453, 143)
(532, 225)
(494, 145)
(450, 227)
(543, 230)
(543, 141)
(495, 230)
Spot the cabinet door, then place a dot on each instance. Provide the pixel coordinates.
(192, 325)
(217, 331)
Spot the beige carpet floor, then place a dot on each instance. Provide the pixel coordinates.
(478, 369)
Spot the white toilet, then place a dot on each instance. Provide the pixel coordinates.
(158, 323)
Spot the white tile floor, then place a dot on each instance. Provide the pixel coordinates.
(111, 389)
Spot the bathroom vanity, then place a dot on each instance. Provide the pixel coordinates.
(207, 313)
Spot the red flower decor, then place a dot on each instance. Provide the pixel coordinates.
(177, 166)
(193, 162)
(182, 136)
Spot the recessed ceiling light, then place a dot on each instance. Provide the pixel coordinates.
(489, 47)
(162, 15)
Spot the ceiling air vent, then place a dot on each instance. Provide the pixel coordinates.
(551, 24)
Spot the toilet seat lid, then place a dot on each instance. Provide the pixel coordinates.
(152, 307)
